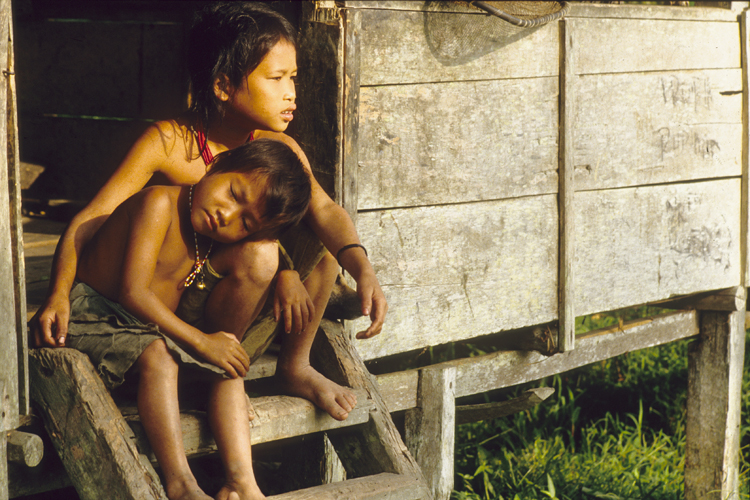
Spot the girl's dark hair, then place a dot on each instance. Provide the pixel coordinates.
(232, 39)
(288, 187)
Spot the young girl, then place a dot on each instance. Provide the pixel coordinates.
(135, 269)
(242, 65)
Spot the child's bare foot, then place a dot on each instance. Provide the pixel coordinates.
(236, 491)
(310, 384)
(187, 490)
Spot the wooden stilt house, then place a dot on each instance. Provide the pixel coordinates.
(504, 183)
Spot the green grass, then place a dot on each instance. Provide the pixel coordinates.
(612, 430)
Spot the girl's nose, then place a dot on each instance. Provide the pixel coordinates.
(290, 93)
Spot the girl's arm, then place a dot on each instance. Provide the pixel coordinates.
(50, 324)
(335, 229)
(149, 224)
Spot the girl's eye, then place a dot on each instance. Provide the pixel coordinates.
(244, 224)
(231, 190)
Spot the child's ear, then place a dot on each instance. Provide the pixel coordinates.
(222, 87)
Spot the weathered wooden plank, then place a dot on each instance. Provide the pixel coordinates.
(509, 368)
(4, 413)
(639, 245)
(430, 429)
(745, 163)
(496, 139)
(24, 448)
(350, 160)
(657, 127)
(385, 486)
(502, 369)
(421, 47)
(93, 440)
(276, 417)
(635, 45)
(8, 335)
(460, 271)
(16, 223)
(567, 187)
(476, 413)
(713, 407)
(730, 299)
(575, 10)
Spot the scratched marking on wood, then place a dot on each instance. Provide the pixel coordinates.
(644, 244)
(456, 272)
(453, 142)
(652, 128)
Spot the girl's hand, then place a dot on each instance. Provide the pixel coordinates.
(291, 299)
(373, 302)
(49, 326)
(224, 350)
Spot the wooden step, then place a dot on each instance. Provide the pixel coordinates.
(277, 417)
(384, 486)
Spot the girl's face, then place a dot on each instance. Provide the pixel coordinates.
(228, 206)
(265, 98)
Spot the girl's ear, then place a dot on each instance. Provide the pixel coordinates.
(222, 87)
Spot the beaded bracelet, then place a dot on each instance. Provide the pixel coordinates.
(347, 247)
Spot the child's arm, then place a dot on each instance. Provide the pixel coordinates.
(50, 325)
(335, 229)
(149, 225)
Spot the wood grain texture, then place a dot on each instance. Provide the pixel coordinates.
(4, 412)
(488, 411)
(648, 128)
(420, 47)
(713, 407)
(384, 486)
(639, 245)
(635, 45)
(430, 429)
(90, 435)
(276, 417)
(455, 142)
(459, 271)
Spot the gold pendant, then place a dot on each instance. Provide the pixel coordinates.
(200, 284)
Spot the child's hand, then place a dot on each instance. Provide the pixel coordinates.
(224, 350)
(49, 326)
(373, 302)
(291, 299)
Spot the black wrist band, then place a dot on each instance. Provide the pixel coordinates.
(347, 247)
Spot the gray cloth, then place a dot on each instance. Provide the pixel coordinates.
(113, 338)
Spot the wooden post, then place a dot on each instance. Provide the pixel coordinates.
(713, 407)
(431, 427)
(3, 446)
(566, 310)
(350, 159)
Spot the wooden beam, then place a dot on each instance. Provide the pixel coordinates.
(430, 429)
(25, 448)
(566, 190)
(509, 368)
(90, 435)
(715, 363)
(276, 417)
(728, 300)
(745, 197)
(350, 139)
(475, 413)
(385, 486)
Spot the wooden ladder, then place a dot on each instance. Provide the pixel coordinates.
(106, 453)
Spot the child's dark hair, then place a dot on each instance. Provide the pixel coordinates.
(288, 187)
(229, 39)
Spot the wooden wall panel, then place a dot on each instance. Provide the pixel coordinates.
(455, 142)
(647, 128)
(639, 245)
(423, 47)
(459, 271)
(634, 45)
